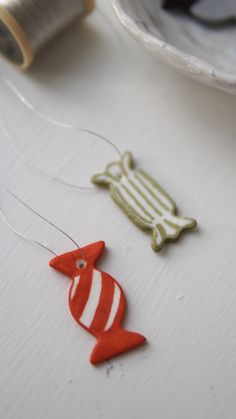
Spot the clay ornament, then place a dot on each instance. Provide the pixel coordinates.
(143, 200)
(97, 302)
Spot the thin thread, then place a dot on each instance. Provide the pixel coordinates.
(28, 239)
(54, 122)
(40, 216)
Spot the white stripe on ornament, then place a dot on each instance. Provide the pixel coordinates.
(93, 300)
(74, 286)
(114, 307)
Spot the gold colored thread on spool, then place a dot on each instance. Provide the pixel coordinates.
(17, 41)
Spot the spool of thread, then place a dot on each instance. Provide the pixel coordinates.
(27, 25)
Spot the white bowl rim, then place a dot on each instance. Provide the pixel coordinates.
(179, 59)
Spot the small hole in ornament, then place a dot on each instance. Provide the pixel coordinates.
(81, 263)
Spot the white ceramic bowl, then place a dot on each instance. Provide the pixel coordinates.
(206, 54)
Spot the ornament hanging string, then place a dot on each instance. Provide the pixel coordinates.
(37, 243)
(52, 121)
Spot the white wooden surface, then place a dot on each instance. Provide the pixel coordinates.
(183, 300)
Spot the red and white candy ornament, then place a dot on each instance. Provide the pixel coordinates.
(97, 302)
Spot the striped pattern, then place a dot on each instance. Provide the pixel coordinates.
(96, 301)
(144, 201)
(150, 207)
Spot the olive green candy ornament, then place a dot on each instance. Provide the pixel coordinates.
(144, 201)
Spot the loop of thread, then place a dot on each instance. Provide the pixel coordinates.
(39, 114)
